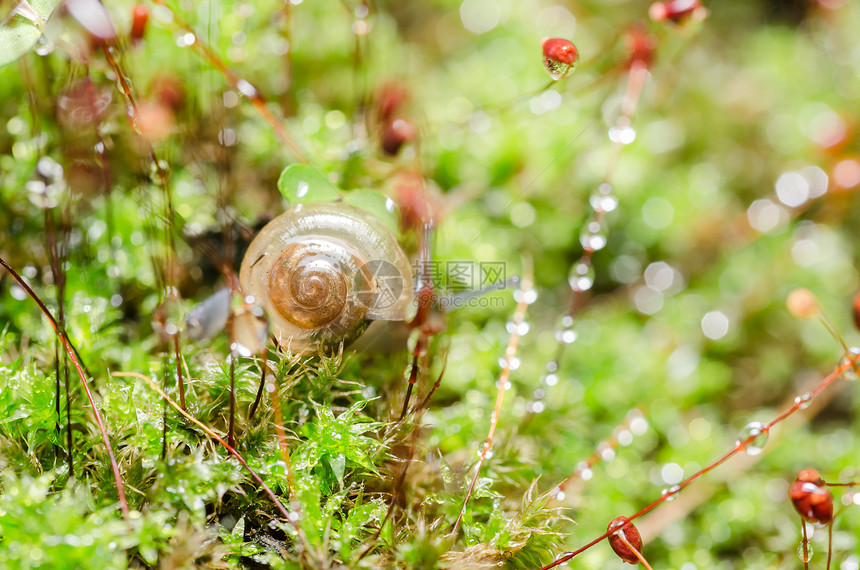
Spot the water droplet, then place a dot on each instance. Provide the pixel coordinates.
(551, 379)
(803, 400)
(638, 425)
(805, 555)
(792, 189)
(593, 236)
(671, 493)
(185, 40)
(601, 203)
(566, 336)
(581, 277)
(248, 333)
(44, 46)
(528, 297)
(168, 319)
(559, 57)
(624, 437)
(757, 435)
(622, 132)
(606, 452)
(247, 89)
(852, 371)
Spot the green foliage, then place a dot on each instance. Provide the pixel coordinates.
(19, 33)
(507, 163)
(334, 444)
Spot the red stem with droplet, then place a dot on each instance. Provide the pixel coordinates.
(283, 510)
(241, 85)
(510, 352)
(739, 447)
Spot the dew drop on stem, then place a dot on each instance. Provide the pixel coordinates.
(593, 236)
(168, 319)
(851, 372)
(603, 203)
(566, 336)
(671, 493)
(757, 435)
(560, 57)
(581, 277)
(804, 552)
(622, 132)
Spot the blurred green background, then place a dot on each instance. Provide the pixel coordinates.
(740, 186)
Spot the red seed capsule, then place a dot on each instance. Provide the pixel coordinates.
(396, 134)
(169, 91)
(623, 527)
(559, 57)
(675, 10)
(419, 204)
(640, 46)
(857, 311)
(392, 96)
(83, 104)
(139, 19)
(811, 497)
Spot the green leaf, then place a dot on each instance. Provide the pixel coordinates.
(375, 203)
(18, 34)
(338, 466)
(302, 184)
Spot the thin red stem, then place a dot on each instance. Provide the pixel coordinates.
(233, 357)
(597, 456)
(180, 379)
(739, 447)
(510, 352)
(242, 86)
(262, 385)
(67, 345)
(636, 553)
(636, 78)
(805, 544)
(283, 510)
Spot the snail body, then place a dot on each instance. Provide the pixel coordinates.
(323, 271)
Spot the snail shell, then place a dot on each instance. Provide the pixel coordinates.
(323, 271)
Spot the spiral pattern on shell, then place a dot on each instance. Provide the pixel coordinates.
(323, 271)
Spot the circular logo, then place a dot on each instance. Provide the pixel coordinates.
(386, 283)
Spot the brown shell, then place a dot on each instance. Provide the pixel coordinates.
(322, 271)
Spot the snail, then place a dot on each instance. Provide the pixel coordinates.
(322, 272)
